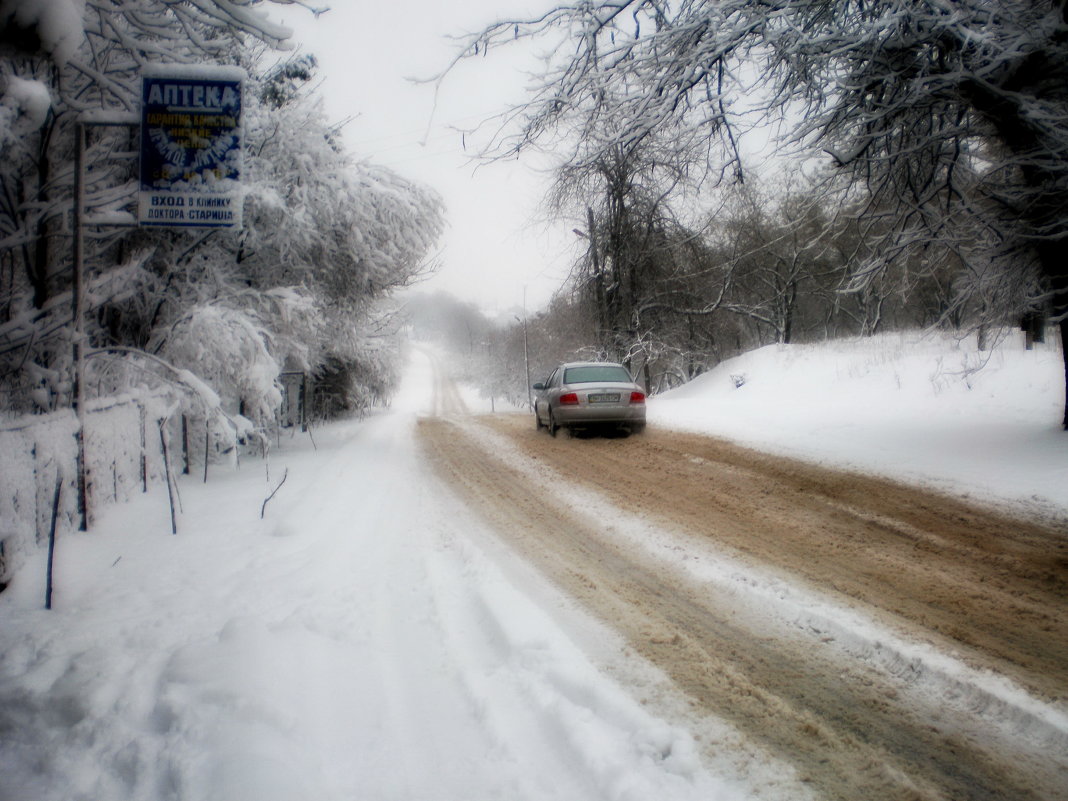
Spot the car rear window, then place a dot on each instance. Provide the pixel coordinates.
(595, 373)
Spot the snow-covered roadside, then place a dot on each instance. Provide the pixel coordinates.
(356, 643)
(940, 685)
(364, 641)
(906, 405)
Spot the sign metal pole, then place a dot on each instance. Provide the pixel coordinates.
(78, 312)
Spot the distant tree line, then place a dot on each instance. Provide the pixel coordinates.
(770, 263)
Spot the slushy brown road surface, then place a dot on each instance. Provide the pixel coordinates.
(855, 720)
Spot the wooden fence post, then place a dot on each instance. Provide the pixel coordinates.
(185, 445)
(303, 399)
(52, 537)
(38, 523)
(144, 448)
(167, 472)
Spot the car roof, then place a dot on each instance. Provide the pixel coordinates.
(591, 364)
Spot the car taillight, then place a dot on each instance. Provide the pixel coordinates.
(637, 397)
(569, 399)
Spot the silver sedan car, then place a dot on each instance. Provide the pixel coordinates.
(588, 394)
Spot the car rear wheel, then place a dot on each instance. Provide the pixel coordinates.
(553, 427)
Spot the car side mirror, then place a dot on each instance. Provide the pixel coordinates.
(538, 386)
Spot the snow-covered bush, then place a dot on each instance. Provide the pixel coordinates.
(228, 348)
(356, 383)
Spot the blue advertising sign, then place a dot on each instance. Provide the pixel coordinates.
(191, 147)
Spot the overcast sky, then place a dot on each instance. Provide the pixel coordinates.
(497, 244)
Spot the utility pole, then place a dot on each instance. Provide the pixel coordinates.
(78, 335)
(526, 350)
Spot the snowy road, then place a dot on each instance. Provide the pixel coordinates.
(439, 605)
(354, 644)
(851, 626)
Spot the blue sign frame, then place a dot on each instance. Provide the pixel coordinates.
(191, 156)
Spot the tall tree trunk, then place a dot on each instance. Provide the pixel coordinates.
(1003, 109)
(1055, 270)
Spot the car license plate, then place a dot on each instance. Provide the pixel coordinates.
(604, 397)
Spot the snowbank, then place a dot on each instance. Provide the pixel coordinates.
(922, 408)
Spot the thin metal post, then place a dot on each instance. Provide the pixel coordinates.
(303, 402)
(526, 351)
(52, 538)
(78, 305)
(78, 312)
(526, 360)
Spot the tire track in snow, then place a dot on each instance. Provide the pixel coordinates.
(847, 726)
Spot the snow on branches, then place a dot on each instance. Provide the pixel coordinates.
(946, 123)
(325, 237)
(56, 25)
(24, 108)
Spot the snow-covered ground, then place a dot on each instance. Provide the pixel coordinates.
(355, 643)
(922, 408)
(361, 641)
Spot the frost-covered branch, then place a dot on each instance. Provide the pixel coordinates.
(950, 119)
(325, 239)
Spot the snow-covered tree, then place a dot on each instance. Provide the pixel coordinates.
(325, 237)
(60, 59)
(622, 195)
(951, 118)
(325, 240)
